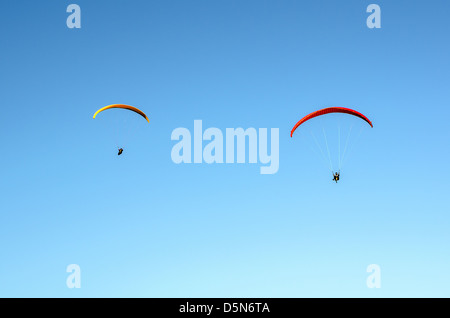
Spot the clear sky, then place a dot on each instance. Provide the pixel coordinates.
(140, 225)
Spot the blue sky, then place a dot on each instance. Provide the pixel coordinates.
(139, 225)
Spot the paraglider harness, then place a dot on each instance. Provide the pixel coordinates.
(120, 151)
(336, 176)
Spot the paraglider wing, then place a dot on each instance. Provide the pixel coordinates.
(134, 109)
(331, 110)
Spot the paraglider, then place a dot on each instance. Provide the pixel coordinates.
(126, 107)
(325, 111)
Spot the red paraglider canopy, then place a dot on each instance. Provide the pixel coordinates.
(331, 110)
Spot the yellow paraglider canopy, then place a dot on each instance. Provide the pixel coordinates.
(134, 109)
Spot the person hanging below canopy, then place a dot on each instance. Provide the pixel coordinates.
(336, 176)
(120, 151)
